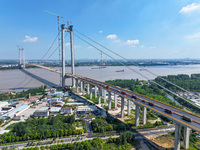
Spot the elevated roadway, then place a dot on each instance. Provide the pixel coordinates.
(177, 113)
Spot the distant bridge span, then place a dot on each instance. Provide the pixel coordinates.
(176, 116)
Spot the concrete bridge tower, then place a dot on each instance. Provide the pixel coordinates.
(70, 30)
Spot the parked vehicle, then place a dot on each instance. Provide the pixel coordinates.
(168, 111)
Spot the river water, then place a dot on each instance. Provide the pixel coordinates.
(17, 80)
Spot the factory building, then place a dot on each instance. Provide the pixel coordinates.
(44, 111)
(86, 109)
(66, 110)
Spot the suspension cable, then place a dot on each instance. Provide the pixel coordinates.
(137, 65)
(50, 47)
(55, 50)
(135, 71)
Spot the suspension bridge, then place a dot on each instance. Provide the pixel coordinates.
(181, 118)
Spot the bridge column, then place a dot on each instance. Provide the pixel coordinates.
(88, 88)
(95, 91)
(137, 111)
(99, 96)
(115, 100)
(76, 85)
(82, 86)
(122, 107)
(90, 91)
(109, 100)
(144, 115)
(177, 142)
(128, 107)
(104, 95)
(186, 137)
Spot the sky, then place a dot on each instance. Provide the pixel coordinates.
(135, 29)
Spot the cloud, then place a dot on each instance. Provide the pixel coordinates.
(152, 47)
(193, 36)
(67, 44)
(30, 39)
(142, 46)
(100, 31)
(132, 42)
(190, 8)
(112, 36)
(75, 46)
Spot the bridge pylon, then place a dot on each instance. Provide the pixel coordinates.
(70, 30)
(21, 58)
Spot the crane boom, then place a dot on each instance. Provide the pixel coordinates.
(53, 13)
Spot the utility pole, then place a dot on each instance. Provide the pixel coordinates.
(72, 53)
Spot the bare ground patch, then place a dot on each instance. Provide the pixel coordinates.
(164, 141)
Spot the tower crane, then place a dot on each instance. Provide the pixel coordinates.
(58, 20)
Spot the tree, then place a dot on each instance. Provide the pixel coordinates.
(1, 121)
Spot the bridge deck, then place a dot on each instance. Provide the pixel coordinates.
(159, 107)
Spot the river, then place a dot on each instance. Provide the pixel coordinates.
(17, 80)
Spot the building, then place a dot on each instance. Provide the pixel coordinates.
(54, 93)
(53, 100)
(86, 109)
(66, 110)
(44, 111)
(75, 104)
(16, 118)
(16, 111)
(59, 104)
(55, 109)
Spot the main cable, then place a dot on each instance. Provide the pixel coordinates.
(137, 65)
(50, 47)
(135, 71)
(55, 49)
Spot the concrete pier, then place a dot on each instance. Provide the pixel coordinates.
(99, 96)
(128, 107)
(88, 88)
(82, 86)
(115, 100)
(109, 100)
(177, 142)
(122, 107)
(137, 110)
(104, 95)
(90, 91)
(186, 137)
(77, 86)
(144, 115)
(95, 91)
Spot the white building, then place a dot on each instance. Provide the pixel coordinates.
(86, 109)
(53, 100)
(54, 93)
(66, 110)
(44, 111)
